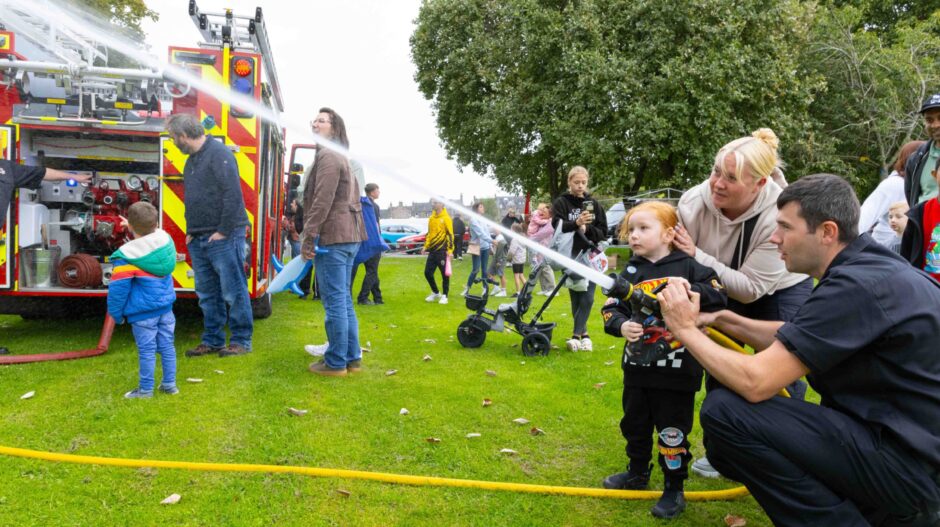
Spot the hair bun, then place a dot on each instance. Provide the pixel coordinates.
(767, 136)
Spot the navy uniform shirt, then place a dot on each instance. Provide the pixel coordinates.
(212, 191)
(869, 335)
(14, 176)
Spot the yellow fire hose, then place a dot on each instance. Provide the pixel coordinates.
(404, 479)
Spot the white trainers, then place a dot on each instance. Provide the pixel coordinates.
(586, 345)
(317, 350)
(433, 297)
(465, 291)
(501, 293)
(495, 291)
(443, 299)
(703, 468)
(573, 344)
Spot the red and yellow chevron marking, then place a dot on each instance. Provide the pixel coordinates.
(174, 211)
(239, 132)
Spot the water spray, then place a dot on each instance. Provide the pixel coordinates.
(68, 17)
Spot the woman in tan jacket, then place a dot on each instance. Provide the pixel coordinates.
(333, 220)
(726, 224)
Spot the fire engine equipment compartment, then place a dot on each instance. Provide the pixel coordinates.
(82, 219)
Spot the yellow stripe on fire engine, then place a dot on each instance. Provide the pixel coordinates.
(174, 156)
(249, 124)
(175, 210)
(246, 169)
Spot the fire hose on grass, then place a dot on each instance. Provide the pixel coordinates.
(107, 330)
(384, 477)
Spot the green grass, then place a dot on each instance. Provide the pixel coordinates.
(240, 416)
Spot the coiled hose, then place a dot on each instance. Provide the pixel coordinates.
(79, 271)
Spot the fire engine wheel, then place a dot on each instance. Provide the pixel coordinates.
(469, 335)
(261, 306)
(536, 344)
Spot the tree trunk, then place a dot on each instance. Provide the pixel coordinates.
(639, 175)
(554, 178)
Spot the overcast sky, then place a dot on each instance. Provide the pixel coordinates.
(352, 56)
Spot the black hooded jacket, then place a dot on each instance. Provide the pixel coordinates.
(567, 208)
(679, 370)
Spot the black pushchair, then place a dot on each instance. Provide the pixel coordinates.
(536, 336)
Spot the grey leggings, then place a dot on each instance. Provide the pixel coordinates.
(581, 304)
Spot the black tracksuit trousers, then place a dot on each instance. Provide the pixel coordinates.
(670, 412)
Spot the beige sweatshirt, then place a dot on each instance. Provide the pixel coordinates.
(762, 271)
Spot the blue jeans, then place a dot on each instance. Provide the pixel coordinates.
(479, 262)
(294, 248)
(334, 274)
(155, 335)
(222, 288)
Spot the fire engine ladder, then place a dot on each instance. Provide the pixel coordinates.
(240, 32)
(56, 51)
(51, 42)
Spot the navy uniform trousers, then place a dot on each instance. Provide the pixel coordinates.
(811, 465)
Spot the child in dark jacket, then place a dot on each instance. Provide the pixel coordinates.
(661, 394)
(141, 291)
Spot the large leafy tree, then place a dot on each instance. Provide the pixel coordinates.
(124, 16)
(123, 13)
(878, 65)
(642, 92)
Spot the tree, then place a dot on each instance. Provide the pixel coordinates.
(641, 92)
(124, 16)
(876, 77)
(123, 13)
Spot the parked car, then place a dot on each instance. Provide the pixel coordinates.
(392, 232)
(412, 244)
(615, 215)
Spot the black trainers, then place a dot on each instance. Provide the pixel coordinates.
(4, 351)
(202, 349)
(670, 505)
(628, 480)
(233, 349)
(366, 302)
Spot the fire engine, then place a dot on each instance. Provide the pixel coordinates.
(60, 108)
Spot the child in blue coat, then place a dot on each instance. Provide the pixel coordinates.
(141, 291)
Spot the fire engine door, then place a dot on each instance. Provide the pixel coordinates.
(7, 247)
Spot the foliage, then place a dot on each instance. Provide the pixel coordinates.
(874, 88)
(240, 416)
(641, 92)
(124, 16)
(885, 15)
(123, 13)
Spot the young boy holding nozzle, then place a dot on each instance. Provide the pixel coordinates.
(659, 395)
(141, 291)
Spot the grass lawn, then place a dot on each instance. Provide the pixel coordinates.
(238, 414)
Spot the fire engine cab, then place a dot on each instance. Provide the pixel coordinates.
(60, 109)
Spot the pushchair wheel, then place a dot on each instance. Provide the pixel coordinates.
(536, 344)
(470, 335)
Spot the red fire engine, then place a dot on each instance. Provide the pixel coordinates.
(59, 109)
